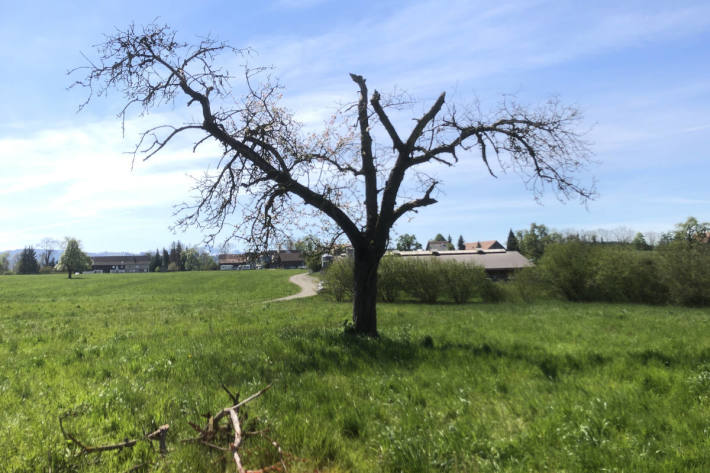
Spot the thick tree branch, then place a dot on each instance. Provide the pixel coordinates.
(415, 204)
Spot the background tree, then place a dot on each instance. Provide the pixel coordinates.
(165, 261)
(73, 259)
(47, 248)
(692, 231)
(533, 242)
(207, 262)
(639, 242)
(27, 263)
(4, 263)
(408, 242)
(461, 244)
(439, 237)
(312, 249)
(155, 262)
(191, 260)
(270, 167)
(512, 244)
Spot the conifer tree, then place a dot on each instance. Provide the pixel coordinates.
(512, 244)
(165, 261)
(155, 261)
(460, 244)
(27, 263)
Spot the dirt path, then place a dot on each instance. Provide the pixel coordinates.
(308, 285)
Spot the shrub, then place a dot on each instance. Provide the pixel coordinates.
(491, 291)
(463, 280)
(46, 270)
(569, 268)
(627, 275)
(338, 279)
(686, 271)
(425, 279)
(391, 278)
(527, 285)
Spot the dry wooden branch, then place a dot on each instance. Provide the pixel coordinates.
(212, 428)
(160, 434)
(211, 435)
(237, 439)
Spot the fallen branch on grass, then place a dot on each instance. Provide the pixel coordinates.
(208, 436)
(158, 434)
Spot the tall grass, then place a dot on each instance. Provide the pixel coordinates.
(548, 386)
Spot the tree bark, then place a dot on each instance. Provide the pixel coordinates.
(365, 292)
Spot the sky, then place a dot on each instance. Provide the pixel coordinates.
(639, 71)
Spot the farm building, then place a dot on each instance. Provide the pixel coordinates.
(498, 264)
(120, 264)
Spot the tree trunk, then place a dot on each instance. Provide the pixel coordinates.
(365, 292)
(69, 273)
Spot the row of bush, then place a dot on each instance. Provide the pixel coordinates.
(678, 273)
(425, 280)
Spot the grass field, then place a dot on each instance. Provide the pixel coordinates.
(475, 387)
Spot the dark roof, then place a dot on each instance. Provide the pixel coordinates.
(119, 260)
(290, 256)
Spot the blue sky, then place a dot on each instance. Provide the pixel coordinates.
(640, 71)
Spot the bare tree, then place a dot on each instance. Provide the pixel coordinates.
(47, 247)
(270, 167)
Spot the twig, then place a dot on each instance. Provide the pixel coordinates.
(86, 449)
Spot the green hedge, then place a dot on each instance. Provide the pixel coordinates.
(424, 279)
(677, 273)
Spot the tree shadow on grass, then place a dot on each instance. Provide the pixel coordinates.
(330, 350)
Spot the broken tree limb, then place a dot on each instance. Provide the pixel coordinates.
(160, 434)
(227, 437)
(237, 439)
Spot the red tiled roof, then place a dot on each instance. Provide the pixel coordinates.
(484, 245)
(232, 259)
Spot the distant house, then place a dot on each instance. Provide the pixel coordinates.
(437, 245)
(120, 264)
(284, 259)
(232, 261)
(289, 259)
(484, 245)
(498, 264)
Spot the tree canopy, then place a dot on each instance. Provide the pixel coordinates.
(73, 258)
(408, 242)
(512, 243)
(273, 174)
(27, 263)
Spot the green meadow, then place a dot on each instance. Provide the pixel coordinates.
(475, 387)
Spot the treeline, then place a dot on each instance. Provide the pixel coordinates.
(672, 269)
(533, 241)
(181, 257)
(408, 242)
(619, 265)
